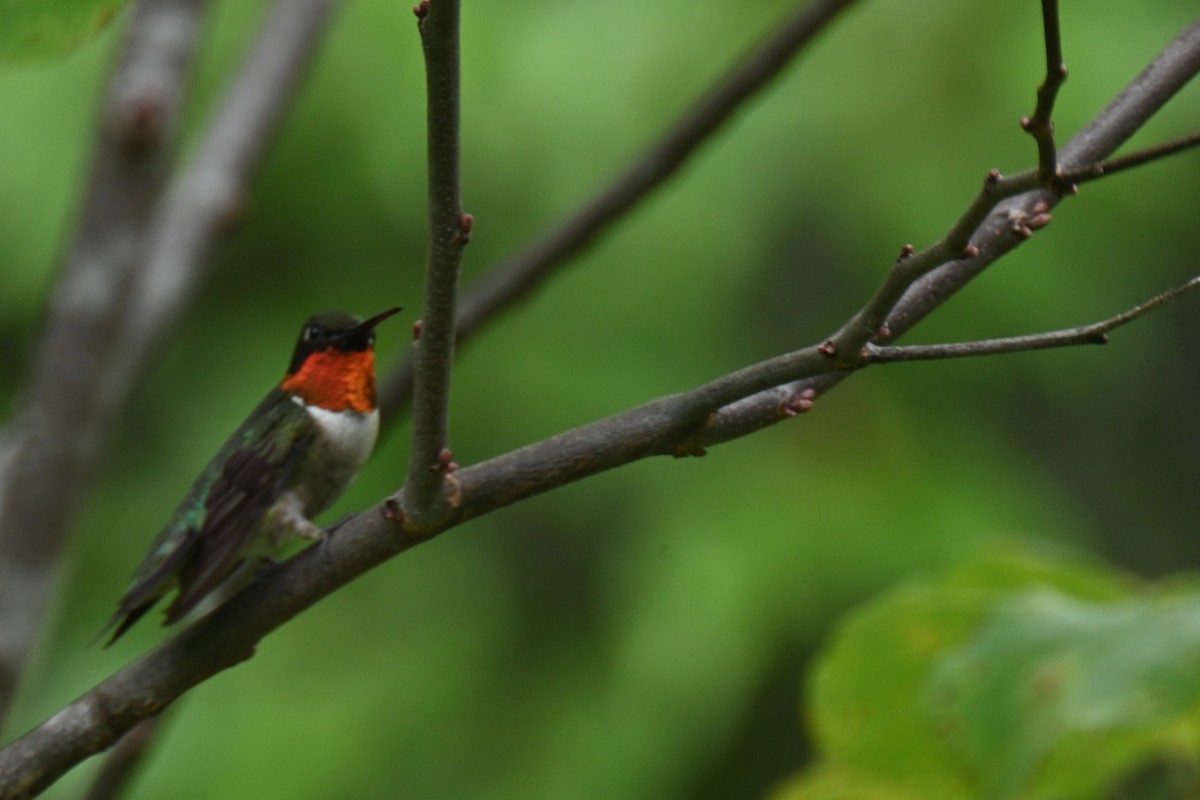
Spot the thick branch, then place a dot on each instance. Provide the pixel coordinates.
(449, 230)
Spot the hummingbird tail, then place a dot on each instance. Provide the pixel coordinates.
(130, 617)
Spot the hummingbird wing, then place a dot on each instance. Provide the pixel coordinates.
(206, 539)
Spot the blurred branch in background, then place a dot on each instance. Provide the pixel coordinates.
(122, 761)
(53, 445)
(137, 261)
(997, 221)
(210, 196)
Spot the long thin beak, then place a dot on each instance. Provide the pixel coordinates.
(367, 325)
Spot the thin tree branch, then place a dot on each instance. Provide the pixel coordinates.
(449, 231)
(958, 244)
(1112, 166)
(517, 278)
(1095, 333)
(1041, 125)
(50, 453)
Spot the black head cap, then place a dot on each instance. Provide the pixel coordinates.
(338, 329)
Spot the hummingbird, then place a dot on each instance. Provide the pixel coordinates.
(292, 457)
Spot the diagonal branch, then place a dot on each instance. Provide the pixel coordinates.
(1095, 333)
(1112, 166)
(449, 231)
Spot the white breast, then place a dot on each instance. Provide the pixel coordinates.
(348, 434)
(344, 443)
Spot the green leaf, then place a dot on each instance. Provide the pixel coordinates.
(1068, 696)
(34, 29)
(1026, 675)
(868, 711)
(836, 784)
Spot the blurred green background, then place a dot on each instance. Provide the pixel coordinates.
(644, 634)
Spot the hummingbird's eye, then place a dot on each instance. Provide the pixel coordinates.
(312, 333)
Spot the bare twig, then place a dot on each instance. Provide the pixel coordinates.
(518, 277)
(1095, 333)
(51, 451)
(1041, 124)
(1112, 166)
(959, 243)
(449, 231)
(872, 321)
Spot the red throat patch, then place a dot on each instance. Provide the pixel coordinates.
(335, 380)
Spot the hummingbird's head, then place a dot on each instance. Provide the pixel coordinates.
(333, 366)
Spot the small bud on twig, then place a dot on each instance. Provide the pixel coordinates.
(799, 403)
(446, 461)
(392, 511)
(465, 223)
(143, 126)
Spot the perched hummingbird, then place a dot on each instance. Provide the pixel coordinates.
(294, 455)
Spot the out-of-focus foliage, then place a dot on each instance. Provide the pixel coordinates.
(48, 28)
(1017, 676)
(643, 634)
